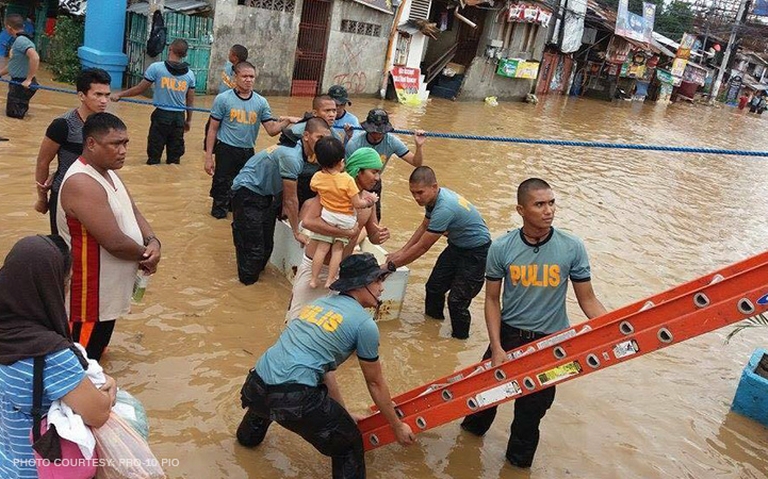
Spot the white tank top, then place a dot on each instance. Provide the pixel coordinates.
(101, 283)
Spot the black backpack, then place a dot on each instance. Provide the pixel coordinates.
(157, 37)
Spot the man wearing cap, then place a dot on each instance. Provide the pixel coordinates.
(460, 267)
(294, 382)
(256, 194)
(377, 136)
(343, 116)
(364, 166)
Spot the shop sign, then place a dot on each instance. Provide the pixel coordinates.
(678, 67)
(517, 68)
(664, 76)
(529, 13)
(406, 82)
(695, 75)
(686, 44)
(634, 26)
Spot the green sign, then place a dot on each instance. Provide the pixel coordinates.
(507, 67)
(664, 76)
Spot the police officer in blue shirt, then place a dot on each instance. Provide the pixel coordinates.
(461, 265)
(256, 194)
(343, 116)
(294, 382)
(22, 65)
(173, 94)
(535, 263)
(235, 118)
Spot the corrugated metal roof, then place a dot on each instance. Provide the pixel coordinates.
(181, 6)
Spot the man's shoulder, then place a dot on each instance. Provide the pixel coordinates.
(566, 237)
(506, 239)
(23, 42)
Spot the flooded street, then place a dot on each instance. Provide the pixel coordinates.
(650, 221)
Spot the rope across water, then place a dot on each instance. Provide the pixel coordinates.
(500, 139)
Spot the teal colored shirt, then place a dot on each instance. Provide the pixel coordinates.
(298, 130)
(347, 118)
(452, 213)
(536, 278)
(227, 77)
(265, 171)
(18, 63)
(390, 145)
(170, 91)
(240, 118)
(324, 335)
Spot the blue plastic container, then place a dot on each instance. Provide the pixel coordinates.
(751, 398)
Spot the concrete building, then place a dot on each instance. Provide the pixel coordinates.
(302, 47)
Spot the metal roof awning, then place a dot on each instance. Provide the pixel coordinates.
(180, 6)
(753, 84)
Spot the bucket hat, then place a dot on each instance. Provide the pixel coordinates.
(357, 271)
(377, 122)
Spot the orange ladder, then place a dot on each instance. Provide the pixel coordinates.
(726, 296)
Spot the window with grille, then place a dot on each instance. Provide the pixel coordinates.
(420, 10)
(361, 28)
(286, 6)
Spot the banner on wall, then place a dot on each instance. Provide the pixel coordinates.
(406, 83)
(517, 68)
(636, 27)
(686, 44)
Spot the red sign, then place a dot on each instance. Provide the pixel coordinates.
(406, 81)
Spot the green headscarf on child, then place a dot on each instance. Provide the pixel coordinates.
(363, 159)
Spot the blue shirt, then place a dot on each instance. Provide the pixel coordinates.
(18, 62)
(240, 118)
(454, 214)
(264, 172)
(227, 77)
(169, 90)
(390, 145)
(324, 335)
(536, 278)
(6, 40)
(62, 374)
(299, 128)
(347, 118)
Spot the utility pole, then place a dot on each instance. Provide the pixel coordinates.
(727, 55)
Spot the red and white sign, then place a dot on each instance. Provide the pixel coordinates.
(406, 82)
(529, 13)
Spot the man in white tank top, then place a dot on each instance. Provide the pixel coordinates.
(109, 238)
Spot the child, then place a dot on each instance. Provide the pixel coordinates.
(339, 196)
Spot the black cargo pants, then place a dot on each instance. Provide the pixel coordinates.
(310, 413)
(166, 131)
(462, 272)
(229, 161)
(253, 231)
(529, 410)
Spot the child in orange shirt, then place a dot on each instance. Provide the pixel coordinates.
(339, 196)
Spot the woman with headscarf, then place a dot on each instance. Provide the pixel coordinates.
(33, 323)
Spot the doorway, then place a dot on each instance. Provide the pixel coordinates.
(311, 48)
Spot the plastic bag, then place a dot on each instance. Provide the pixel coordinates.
(131, 409)
(123, 453)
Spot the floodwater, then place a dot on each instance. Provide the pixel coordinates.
(650, 221)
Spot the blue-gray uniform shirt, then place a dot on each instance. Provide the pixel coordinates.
(265, 171)
(240, 117)
(227, 77)
(324, 335)
(390, 145)
(536, 278)
(18, 63)
(454, 214)
(170, 90)
(347, 118)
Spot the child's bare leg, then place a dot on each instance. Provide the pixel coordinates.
(334, 262)
(317, 262)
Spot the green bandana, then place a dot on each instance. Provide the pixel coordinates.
(363, 159)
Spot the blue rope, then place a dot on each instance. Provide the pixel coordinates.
(501, 139)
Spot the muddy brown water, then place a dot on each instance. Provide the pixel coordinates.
(650, 221)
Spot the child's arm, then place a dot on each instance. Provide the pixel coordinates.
(364, 199)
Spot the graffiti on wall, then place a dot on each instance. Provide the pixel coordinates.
(351, 76)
